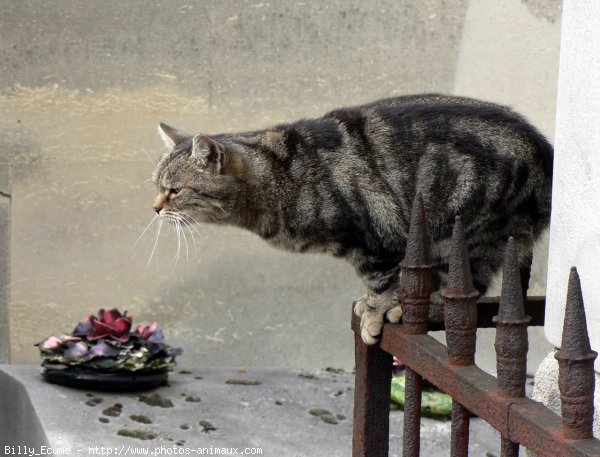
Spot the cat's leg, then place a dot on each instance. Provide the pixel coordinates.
(436, 304)
(485, 266)
(484, 271)
(382, 297)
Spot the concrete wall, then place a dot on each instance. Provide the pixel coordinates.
(83, 84)
(575, 234)
(4, 262)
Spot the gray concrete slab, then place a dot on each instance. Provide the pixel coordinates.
(272, 415)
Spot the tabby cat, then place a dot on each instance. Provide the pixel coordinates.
(344, 184)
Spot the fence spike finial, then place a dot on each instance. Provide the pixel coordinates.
(460, 298)
(511, 328)
(417, 245)
(460, 279)
(575, 339)
(511, 300)
(416, 278)
(576, 367)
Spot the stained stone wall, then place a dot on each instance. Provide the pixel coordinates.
(4, 261)
(576, 193)
(82, 87)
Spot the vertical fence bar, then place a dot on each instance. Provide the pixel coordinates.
(576, 367)
(411, 434)
(370, 435)
(508, 448)
(511, 337)
(416, 279)
(416, 286)
(460, 316)
(459, 438)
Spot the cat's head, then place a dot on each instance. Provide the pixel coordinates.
(193, 179)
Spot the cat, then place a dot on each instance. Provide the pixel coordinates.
(344, 183)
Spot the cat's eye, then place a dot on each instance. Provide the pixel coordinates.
(174, 191)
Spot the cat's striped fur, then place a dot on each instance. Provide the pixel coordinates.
(344, 184)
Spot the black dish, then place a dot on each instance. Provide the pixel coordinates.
(113, 381)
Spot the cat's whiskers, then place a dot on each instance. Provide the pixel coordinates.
(190, 220)
(170, 217)
(190, 217)
(176, 228)
(152, 161)
(176, 220)
(218, 205)
(180, 221)
(186, 225)
(145, 230)
(187, 254)
(156, 241)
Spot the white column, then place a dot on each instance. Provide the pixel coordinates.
(575, 225)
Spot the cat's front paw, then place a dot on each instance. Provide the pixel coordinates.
(372, 310)
(394, 315)
(371, 325)
(360, 305)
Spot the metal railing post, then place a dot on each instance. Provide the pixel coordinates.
(576, 367)
(370, 437)
(460, 315)
(511, 338)
(416, 286)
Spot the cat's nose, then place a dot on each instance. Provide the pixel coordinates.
(159, 203)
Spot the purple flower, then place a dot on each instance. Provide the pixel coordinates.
(76, 351)
(83, 328)
(103, 349)
(157, 336)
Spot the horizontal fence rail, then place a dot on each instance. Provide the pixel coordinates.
(499, 401)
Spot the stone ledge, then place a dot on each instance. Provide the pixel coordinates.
(219, 407)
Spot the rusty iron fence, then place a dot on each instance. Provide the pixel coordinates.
(500, 401)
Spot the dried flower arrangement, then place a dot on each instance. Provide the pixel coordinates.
(106, 343)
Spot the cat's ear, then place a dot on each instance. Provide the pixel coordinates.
(209, 152)
(170, 135)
